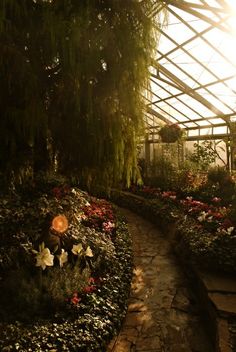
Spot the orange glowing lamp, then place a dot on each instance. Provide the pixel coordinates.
(60, 224)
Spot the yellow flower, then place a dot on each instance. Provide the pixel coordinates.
(77, 248)
(89, 252)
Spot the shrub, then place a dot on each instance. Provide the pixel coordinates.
(217, 175)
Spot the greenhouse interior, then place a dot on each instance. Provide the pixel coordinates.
(118, 176)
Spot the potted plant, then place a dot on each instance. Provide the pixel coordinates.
(170, 133)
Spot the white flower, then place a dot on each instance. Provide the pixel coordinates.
(230, 230)
(89, 252)
(77, 248)
(73, 191)
(44, 257)
(202, 216)
(63, 257)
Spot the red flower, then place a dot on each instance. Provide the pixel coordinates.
(90, 289)
(95, 280)
(56, 191)
(75, 298)
(217, 215)
(227, 223)
(99, 215)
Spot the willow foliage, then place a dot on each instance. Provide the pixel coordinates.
(71, 76)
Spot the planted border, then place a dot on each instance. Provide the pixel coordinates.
(92, 323)
(210, 251)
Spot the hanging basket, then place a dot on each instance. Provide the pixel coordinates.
(170, 133)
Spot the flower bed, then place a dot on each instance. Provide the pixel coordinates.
(65, 267)
(213, 216)
(202, 232)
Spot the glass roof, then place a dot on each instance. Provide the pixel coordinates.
(193, 77)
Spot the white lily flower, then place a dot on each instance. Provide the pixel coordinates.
(63, 258)
(77, 248)
(89, 252)
(202, 216)
(230, 230)
(44, 257)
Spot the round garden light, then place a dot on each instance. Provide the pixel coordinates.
(60, 223)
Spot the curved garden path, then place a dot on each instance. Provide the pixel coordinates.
(162, 314)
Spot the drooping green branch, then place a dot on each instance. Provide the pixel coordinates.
(80, 67)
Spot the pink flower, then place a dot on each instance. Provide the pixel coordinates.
(108, 226)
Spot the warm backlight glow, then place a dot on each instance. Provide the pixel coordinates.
(232, 4)
(60, 223)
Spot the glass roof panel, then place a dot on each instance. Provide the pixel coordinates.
(193, 133)
(220, 101)
(205, 131)
(216, 121)
(197, 106)
(232, 84)
(204, 123)
(190, 124)
(196, 63)
(182, 35)
(220, 130)
(198, 25)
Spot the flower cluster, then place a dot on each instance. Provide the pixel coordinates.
(212, 216)
(99, 215)
(92, 285)
(169, 195)
(45, 258)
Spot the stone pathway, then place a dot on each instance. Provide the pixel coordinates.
(162, 314)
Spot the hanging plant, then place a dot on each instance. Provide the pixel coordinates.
(170, 133)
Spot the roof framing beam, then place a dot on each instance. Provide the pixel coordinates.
(209, 7)
(155, 113)
(194, 89)
(184, 5)
(186, 89)
(177, 46)
(177, 98)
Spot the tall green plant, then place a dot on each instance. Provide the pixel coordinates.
(71, 75)
(203, 155)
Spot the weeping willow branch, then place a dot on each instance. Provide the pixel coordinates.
(79, 71)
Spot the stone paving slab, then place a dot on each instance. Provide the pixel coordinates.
(225, 303)
(162, 313)
(219, 283)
